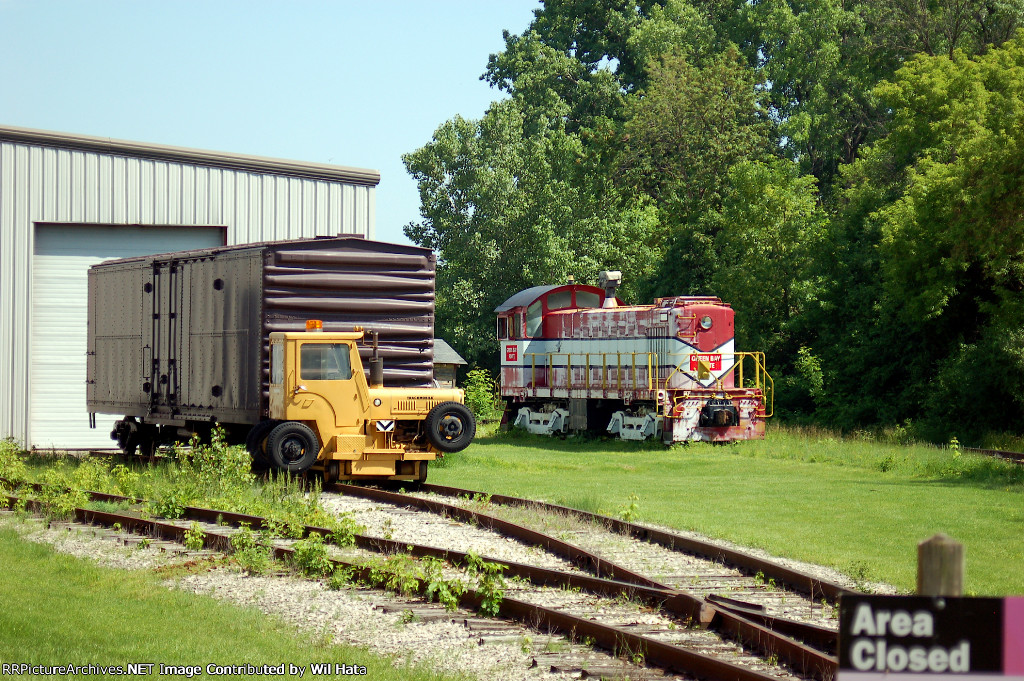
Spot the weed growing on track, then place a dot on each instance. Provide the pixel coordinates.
(490, 585)
(310, 556)
(12, 466)
(251, 551)
(396, 573)
(59, 502)
(195, 538)
(341, 578)
(405, 575)
(212, 475)
(445, 591)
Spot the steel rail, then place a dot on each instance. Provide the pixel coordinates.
(664, 655)
(813, 586)
(1015, 457)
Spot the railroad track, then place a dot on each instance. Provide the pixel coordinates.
(1015, 457)
(741, 607)
(641, 618)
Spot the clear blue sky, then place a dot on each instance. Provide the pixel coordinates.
(344, 82)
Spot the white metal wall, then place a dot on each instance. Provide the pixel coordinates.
(44, 184)
(59, 317)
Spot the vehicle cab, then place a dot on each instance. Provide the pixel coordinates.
(323, 411)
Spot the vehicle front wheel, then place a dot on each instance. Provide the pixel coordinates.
(450, 426)
(292, 446)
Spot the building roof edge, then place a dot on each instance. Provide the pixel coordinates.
(223, 159)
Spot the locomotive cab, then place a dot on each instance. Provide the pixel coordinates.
(574, 357)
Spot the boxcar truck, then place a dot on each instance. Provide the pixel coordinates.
(314, 353)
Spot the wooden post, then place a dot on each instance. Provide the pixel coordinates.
(940, 567)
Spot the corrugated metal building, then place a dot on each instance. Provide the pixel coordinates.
(71, 201)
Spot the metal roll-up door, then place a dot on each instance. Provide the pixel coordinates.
(58, 336)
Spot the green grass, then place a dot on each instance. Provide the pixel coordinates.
(60, 610)
(858, 506)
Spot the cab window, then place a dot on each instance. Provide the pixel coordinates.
(587, 299)
(277, 363)
(559, 300)
(502, 327)
(534, 315)
(325, 362)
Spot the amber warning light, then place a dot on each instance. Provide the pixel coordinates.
(314, 325)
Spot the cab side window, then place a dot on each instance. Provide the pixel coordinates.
(325, 362)
(534, 316)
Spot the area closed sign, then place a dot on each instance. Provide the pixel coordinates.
(882, 637)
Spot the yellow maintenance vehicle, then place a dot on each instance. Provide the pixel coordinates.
(324, 412)
(182, 343)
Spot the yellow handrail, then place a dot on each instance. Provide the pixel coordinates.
(548, 363)
(762, 380)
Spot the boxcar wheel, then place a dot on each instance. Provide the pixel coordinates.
(292, 446)
(126, 434)
(450, 426)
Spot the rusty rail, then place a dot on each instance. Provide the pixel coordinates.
(767, 635)
(794, 579)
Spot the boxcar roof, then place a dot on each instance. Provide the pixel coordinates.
(353, 241)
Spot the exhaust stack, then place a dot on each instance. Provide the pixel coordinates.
(609, 281)
(376, 365)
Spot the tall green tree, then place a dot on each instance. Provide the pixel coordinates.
(934, 212)
(684, 133)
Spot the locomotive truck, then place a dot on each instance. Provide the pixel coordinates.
(269, 341)
(574, 358)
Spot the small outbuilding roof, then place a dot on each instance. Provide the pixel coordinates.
(444, 354)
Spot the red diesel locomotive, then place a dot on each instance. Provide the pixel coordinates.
(573, 358)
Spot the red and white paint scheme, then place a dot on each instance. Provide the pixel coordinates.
(575, 358)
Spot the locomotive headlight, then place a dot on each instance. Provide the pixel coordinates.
(705, 322)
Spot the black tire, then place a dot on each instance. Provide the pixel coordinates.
(126, 434)
(450, 427)
(255, 438)
(292, 447)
